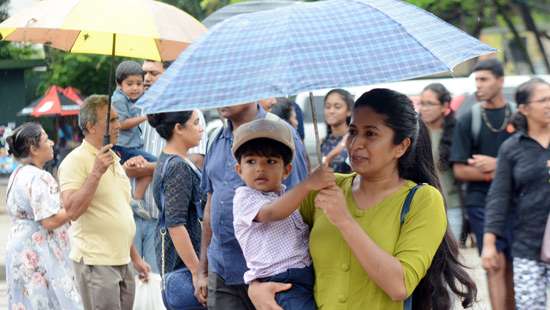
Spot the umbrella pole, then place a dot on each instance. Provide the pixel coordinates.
(107, 136)
(316, 129)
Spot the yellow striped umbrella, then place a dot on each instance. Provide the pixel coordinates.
(141, 28)
(144, 29)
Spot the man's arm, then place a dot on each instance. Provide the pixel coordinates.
(206, 235)
(201, 287)
(137, 167)
(76, 202)
(467, 173)
(140, 265)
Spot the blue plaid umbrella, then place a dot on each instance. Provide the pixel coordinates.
(307, 46)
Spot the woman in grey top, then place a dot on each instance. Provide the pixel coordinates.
(522, 184)
(176, 184)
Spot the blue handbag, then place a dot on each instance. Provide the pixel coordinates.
(177, 286)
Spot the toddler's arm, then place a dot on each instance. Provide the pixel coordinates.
(281, 208)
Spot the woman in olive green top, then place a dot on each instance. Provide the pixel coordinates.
(435, 111)
(363, 256)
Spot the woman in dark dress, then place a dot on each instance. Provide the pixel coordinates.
(176, 184)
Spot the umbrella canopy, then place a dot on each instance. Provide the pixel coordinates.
(307, 46)
(244, 8)
(144, 29)
(73, 94)
(53, 103)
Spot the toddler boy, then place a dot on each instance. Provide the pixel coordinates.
(129, 79)
(268, 226)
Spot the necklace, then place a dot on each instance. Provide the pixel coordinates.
(507, 115)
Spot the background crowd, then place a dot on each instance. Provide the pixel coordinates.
(382, 233)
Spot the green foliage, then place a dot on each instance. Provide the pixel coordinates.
(88, 73)
(200, 9)
(192, 7)
(469, 15)
(4, 9)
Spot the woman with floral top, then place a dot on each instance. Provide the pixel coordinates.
(38, 271)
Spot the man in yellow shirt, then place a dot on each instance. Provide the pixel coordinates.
(96, 193)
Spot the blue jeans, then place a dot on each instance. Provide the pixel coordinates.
(126, 153)
(300, 295)
(476, 216)
(179, 291)
(144, 241)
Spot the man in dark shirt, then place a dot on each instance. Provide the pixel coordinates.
(474, 161)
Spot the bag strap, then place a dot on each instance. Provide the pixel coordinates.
(13, 181)
(194, 168)
(162, 220)
(408, 201)
(162, 215)
(407, 305)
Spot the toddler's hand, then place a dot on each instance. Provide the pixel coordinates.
(321, 177)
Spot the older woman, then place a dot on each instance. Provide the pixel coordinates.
(38, 270)
(378, 237)
(522, 177)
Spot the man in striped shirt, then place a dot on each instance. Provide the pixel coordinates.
(146, 221)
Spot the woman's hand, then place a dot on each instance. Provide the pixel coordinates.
(262, 294)
(489, 254)
(332, 201)
(200, 283)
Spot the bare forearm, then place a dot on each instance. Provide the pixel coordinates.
(205, 238)
(284, 205)
(56, 220)
(184, 247)
(132, 122)
(134, 255)
(467, 173)
(138, 172)
(489, 239)
(77, 202)
(384, 269)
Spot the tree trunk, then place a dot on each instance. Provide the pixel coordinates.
(532, 26)
(517, 38)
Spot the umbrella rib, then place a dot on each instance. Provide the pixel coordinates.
(74, 41)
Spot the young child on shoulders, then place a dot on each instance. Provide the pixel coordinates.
(129, 79)
(268, 226)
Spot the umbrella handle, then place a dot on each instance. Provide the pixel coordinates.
(107, 136)
(316, 129)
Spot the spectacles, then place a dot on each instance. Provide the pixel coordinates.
(542, 100)
(429, 104)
